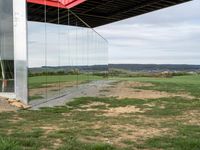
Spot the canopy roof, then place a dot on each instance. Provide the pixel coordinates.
(95, 12)
(58, 3)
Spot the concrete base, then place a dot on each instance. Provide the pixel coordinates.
(8, 95)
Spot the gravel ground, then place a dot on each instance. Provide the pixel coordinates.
(85, 90)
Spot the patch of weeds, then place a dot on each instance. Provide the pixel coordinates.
(34, 133)
(99, 107)
(55, 110)
(8, 144)
(88, 116)
(31, 98)
(104, 90)
(70, 122)
(30, 142)
(113, 102)
(4, 123)
(160, 112)
(55, 90)
(90, 132)
(171, 106)
(102, 95)
(60, 134)
(78, 102)
(188, 138)
(73, 144)
(129, 142)
(115, 82)
(127, 102)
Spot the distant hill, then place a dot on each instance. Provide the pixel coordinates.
(155, 67)
(93, 68)
(128, 67)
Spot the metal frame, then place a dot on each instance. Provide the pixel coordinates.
(101, 12)
(20, 49)
(55, 3)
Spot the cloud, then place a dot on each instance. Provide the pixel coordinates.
(170, 35)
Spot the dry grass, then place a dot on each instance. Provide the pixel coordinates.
(128, 89)
(161, 121)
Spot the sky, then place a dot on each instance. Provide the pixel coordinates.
(61, 45)
(167, 36)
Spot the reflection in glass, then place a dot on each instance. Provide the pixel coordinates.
(6, 47)
(62, 57)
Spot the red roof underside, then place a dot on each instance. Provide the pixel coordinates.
(58, 3)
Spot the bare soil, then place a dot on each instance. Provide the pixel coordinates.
(109, 111)
(113, 112)
(125, 132)
(127, 89)
(191, 117)
(5, 106)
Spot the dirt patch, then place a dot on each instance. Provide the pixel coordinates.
(16, 119)
(50, 128)
(135, 84)
(136, 134)
(66, 114)
(191, 117)
(125, 132)
(91, 106)
(150, 104)
(127, 89)
(94, 104)
(57, 143)
(110, 111)
(151, 127)
(113, 112)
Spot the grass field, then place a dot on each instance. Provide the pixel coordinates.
(108, 123)
(39, 85)
(189, 83)
(39, 81)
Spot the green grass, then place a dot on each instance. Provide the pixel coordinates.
(189, 83)
(35, 97)
(40, 81)
(8, 144)
(71, 127)
(186, 139)
(27, 133)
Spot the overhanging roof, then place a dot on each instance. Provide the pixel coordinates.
(58, 3)
(99, 12)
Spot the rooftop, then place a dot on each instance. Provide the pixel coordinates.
(98, 12)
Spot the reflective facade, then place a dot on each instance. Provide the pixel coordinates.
(40, 61)
(20, 49)
(6, 46)
(61, 57)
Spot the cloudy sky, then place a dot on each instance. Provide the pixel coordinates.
(167, 36)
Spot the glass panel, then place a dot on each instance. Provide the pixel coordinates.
(52, 62)
(6, 46)
(36, 61)
(82, 56)
(66, 55)
(37, 48)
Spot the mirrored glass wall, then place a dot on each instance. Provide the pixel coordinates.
(6, 46)
(62, 57)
